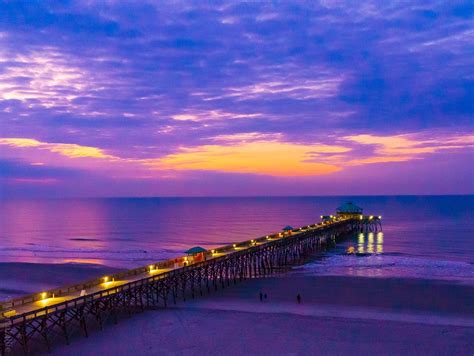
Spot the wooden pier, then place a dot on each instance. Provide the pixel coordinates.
(34, 322)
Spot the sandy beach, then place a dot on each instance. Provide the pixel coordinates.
(337, 315)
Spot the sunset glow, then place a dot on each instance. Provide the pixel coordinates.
(272, 158)
(273, 99)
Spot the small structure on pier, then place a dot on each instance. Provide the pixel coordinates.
(195, 250)
(364, 223)
(195, 254)
(349, 210)
(287, 230)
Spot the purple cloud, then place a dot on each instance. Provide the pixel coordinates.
(145, 81)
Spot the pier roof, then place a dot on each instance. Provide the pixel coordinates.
(195, 250)
(349, 208)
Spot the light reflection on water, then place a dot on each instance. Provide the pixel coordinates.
(380, 242)
(363, 256)
(367, 244)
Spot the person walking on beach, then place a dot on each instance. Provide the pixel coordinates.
(298, 299)
(261, 296)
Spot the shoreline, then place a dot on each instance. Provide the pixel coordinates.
(328, 320)
(22, 278)
(389, 295)
(337, 315)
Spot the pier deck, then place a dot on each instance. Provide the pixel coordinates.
(37, 316)
(111, 285)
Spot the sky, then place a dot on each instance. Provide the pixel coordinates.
(224, 98)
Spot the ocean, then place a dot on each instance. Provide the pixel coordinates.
(429, 237)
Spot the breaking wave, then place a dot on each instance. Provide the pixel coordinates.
(391, 265)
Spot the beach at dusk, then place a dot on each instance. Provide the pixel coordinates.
(337, 316)
(403, 289)
(236, 178)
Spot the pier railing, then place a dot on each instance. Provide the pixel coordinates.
(139, 288)
(5, 306)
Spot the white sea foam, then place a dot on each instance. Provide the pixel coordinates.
(391, 265)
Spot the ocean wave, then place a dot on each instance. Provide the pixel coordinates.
(391, 265)
(122, 258)
(54, 250)
(82, 239)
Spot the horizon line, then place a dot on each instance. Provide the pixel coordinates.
(233, 196)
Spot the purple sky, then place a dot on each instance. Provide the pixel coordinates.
(137, 98)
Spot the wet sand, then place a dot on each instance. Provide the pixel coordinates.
(338, 315)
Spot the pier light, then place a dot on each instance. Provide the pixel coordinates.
(361, 217)
(380, 216)
(234, 245)
(371, 217)
(213, 251)
(151, 268)
(44, 295)
(106, 279)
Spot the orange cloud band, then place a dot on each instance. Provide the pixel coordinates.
(271, 158)
(251, 153)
